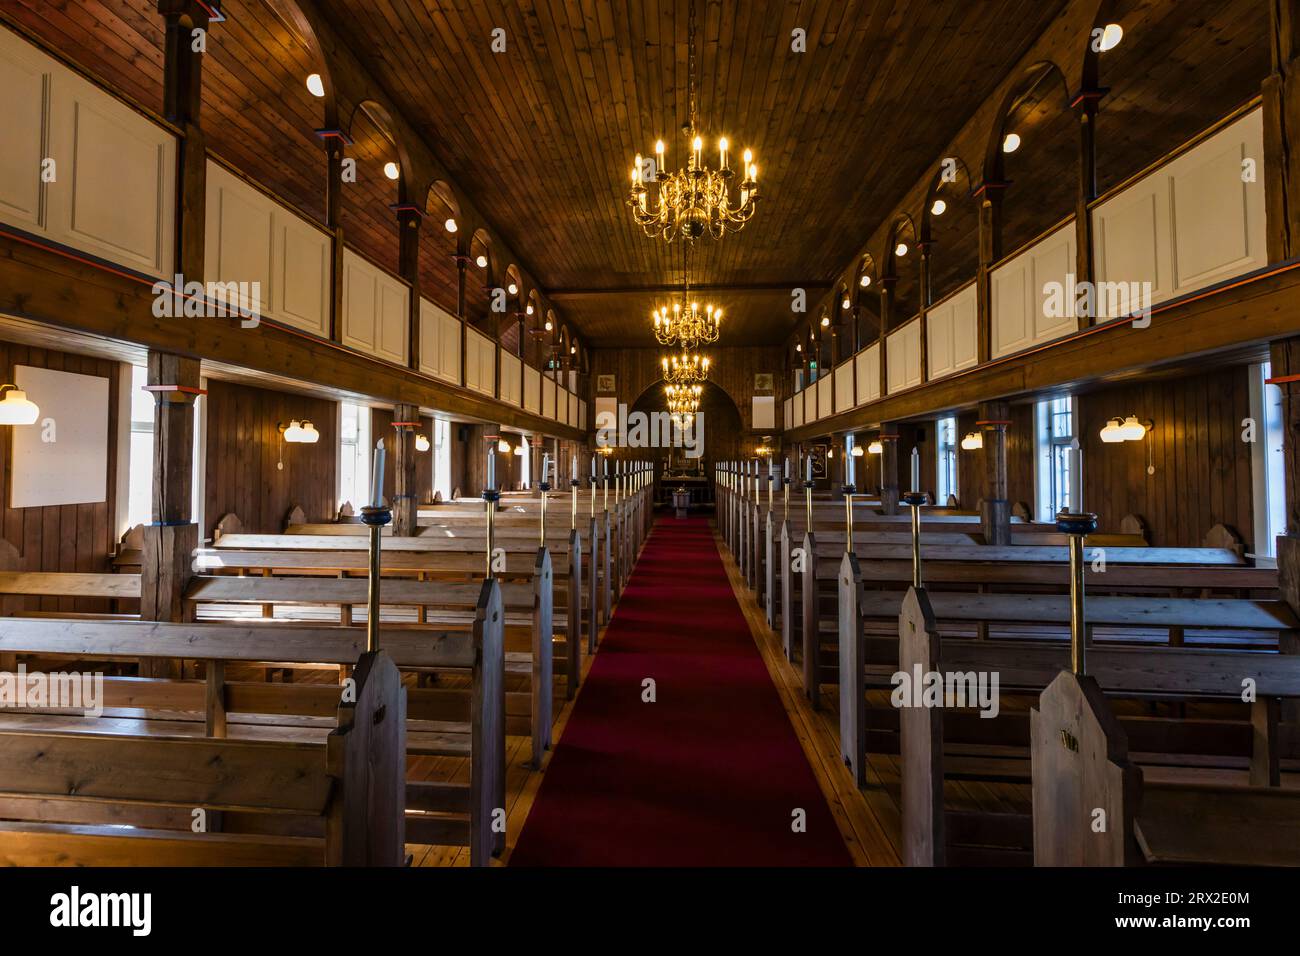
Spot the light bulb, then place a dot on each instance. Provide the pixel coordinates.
(512, 289)
(548, 325)
(864, 281)
(826, 320)
(391, 170)
(528, 310)
(315, 85)
(294, 432)
(1110, 37)
(973, 441)
(875, 448)
(421, 443)
(450, 225)
(481, 262)
(308, 434)
(857, 451)
(845, 303)
(1113, 433)
(939, 208)
(748, 157)
(901, 250)
(1132, 429)
(1011, 143)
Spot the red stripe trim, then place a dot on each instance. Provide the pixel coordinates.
(186, 389)
(1282, 379)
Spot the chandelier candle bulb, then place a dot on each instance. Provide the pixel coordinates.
(722, 152)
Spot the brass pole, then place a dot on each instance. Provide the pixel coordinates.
(372, 592)
(914, 500)
(1077, 526)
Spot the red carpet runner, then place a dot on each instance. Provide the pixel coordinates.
(709, 774)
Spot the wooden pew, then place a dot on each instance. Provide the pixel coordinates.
(1081, 767)
(428, 557)
(351, 788)
(1029, 665)
(465, 722)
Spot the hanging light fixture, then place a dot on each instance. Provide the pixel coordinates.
(16, 408)
(686, 323)
(696, 200)
(686, 370)
(973, 441)
(1132, 429)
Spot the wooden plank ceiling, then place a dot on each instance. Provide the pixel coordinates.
(541, 137)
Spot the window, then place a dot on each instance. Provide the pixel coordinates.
(442, 458)
(1267, 463)
(1057, 458)
(354, 455)
(945, 442)
(139, 508)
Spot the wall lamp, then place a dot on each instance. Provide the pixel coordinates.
(16, 408)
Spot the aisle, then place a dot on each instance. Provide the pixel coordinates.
(711, 772)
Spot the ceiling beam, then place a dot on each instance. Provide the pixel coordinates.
(665, 288)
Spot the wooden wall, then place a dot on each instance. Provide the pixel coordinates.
(63, 537)
(636, 369)
(1202, 467)
(244, 446)
(1020, 460)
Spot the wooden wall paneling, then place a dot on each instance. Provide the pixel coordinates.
(66, 537)
(244, 451)
(381, 426)
(1202, 467)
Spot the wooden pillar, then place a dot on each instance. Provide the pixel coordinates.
(182, 99)
(402, 442)
(1285, 371)
(1085, 269)
(995, 512)
(334, 147)
(889, 468)
(171, 538)
(1281, 94)
(887, 295)
(409, 219)
(990, 236)
(925, 249)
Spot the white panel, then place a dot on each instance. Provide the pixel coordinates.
(582, 414)
(573, 411)
(394, 319)
(562, 406)
(844, 386)
(360, 302)
(72, 469)
(939, 339)
(825, 396)
(512, 387)
(116, 190)
(763, 409)
(903, 356)
(794, 415)
(787, 413)
(1053, 265)
(1132, 244)
(1219, 222)
(1020, 294)
(548, 397)
(867, 365)
(607, 415)
(480, 362)
(25, 73)
(300, 290)
(810, 403)
(439, 343)
(965, 329)
(532, 390)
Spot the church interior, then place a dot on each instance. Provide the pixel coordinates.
(650, 433)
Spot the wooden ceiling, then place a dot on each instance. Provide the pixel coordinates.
(541, 137)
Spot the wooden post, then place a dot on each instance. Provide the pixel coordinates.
(404, 467)
(889, 470)
(990, 237)
(334, 221)
(924, 248)
(169, 542)
(887, 295)
(1285, 370)
(182, 99)
(1085, 107)
(409, 218)
(1281, 93)
(475, 457)
(920, 736)
(995, 512)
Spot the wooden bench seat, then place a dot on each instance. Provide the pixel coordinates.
(351, 781)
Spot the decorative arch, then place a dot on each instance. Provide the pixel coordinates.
(903, 271)
(478, 280)
(950, 229)
(439, 278)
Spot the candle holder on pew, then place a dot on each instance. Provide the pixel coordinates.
(374, 517)
(916, 500)
(1077, 526)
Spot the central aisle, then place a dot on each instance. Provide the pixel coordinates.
(711, 773)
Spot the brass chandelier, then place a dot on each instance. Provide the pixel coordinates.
(683, 402)
(686, 323)
(696, 200)
(686, 369)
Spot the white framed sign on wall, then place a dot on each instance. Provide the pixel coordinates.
(63, 458)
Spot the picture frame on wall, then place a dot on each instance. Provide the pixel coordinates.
(605, 383)
(818, 455)
(763, 381)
